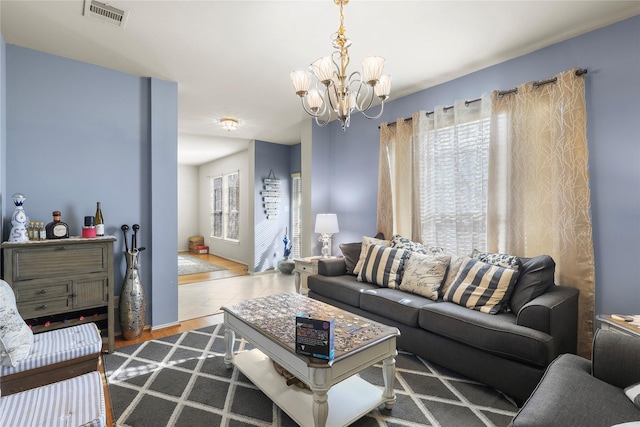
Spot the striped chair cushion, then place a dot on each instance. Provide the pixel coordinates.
(383, 265)
(59, 345)
(481, 286)
(78, 401)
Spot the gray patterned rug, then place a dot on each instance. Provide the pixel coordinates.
(181, 380)
(188, 264)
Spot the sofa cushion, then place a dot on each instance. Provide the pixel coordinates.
(366, 241)
(345, 288)
(383, 266)
(498, 334)
(423, 274)
(351, 253)
(394, 304)
(481, 286)
(536, 276)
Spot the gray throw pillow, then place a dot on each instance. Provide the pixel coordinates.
(351, 253)
(536, 276)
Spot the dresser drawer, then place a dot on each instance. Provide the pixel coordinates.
(31, 309)
(61, 260)
(29, 293)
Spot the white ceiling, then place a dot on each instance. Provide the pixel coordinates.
(233, 58)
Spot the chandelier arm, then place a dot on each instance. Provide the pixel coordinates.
(377, 116)
(369, 94)
(323, 123)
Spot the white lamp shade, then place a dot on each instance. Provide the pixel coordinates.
(300, 80)
(383, 88)
(373, 67)
(323, 69)
(315, 100)
(326, 224)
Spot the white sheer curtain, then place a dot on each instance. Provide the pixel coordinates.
(452, 146)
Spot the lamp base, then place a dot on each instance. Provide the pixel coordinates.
(326, 245)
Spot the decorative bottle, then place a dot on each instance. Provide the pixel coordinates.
(57, 229)
(99, 221)
(42, 234)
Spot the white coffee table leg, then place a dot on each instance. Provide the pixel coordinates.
(229, 339)
(320, 408)
(389, 376)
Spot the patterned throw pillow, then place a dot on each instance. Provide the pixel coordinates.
(423, 274)
(481, 286)
(16, 338)
(501, 260)
(633, 393)
(400, 242)
(382, 266)
(366, 241)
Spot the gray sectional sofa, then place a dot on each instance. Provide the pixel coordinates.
(508, 350)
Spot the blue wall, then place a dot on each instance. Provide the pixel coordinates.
(77, 134)
(612, 57)
(3, 131)
(269, 247)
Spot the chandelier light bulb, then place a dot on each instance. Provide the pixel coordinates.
(373, 66)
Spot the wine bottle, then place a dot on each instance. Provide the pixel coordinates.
(99, 221)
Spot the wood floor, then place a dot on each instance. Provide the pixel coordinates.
(232, 269)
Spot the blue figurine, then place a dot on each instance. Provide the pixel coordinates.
(287, 246)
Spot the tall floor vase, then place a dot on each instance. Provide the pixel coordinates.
(132, 301)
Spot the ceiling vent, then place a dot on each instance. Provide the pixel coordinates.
(104, 13)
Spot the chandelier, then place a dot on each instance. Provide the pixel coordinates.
(335, 94)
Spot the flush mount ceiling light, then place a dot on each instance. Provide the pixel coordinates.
(228, 124)
(335, 94)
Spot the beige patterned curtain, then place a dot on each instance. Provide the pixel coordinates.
(539, 197)
(397, 206)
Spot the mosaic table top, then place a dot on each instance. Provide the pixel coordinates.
(275, 315)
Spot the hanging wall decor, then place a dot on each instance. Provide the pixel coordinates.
(271, 195)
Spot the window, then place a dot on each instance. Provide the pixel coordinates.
(453, 175)
(225, 207)
(296, 214)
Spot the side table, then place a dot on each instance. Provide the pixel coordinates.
(619, 326)
(303, 269)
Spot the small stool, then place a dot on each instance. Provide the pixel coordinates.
(78, 401)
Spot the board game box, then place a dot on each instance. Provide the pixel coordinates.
(314, 336)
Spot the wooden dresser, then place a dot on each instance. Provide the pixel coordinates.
(63, 282)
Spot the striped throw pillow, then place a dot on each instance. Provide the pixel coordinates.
(481, 286)
(383, 265)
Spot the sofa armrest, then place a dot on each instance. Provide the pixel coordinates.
(332, 267)
(614, 358)
(556, 313)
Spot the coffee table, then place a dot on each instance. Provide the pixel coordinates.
(337, 395)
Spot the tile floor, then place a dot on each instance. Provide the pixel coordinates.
(205, 298)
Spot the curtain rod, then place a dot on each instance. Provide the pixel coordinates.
(501, 93)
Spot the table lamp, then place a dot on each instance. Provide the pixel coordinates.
(326, 225)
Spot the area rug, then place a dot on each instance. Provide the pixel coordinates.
(188, 264)
(181, 380)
